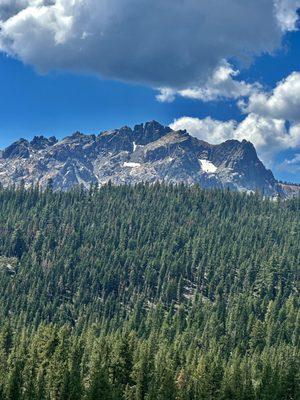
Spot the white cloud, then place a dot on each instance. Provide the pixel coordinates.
(221, 85)
(208, 129)
(166, 95)
(282, 103)
(287, 13)
(172, 43)
(269, 136)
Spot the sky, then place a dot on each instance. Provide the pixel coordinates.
(91, 65)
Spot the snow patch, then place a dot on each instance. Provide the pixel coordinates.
(134, 146)
(131, 164)
(208, 166)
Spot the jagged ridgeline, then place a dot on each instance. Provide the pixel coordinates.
(149, 152)
(151, 292)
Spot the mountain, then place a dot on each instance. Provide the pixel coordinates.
(147, 153)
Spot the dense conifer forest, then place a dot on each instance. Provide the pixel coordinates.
(148, 293)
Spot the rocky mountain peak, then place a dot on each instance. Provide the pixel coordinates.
(249, 149)
(147, 153)
(41, 142)
(78, 137)
(149, 132)
(18, 149)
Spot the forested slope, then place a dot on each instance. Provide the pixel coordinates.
(148, 292)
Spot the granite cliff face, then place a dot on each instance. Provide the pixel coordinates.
(150, 152)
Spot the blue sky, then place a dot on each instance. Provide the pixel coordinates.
(61, 99)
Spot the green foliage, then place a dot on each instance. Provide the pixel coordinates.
(148, 293)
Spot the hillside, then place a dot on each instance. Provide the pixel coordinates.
(152, 292)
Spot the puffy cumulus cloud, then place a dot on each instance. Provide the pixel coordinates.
(166, 95)
(269, 136)
(287, 13)
(208, 129)
(221, 85)
(172, 43)
(282, 103)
